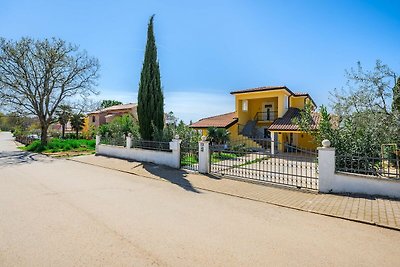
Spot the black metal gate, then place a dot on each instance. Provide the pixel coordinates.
(291, 166)
(190, 155)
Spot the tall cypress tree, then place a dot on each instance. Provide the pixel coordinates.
(150, 99)
(396, 97)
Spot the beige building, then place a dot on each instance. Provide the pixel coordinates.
(106, 115)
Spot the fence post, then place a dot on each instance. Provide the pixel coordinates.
(98, 138)
(129, 141)
(272, 143)
(204, 155)
(175, 146)
(326, 166)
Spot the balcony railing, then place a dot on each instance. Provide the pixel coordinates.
(266, 116)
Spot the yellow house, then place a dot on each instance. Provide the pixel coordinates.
(264, 115)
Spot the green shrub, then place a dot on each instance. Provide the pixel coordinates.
(35, 146)
(189, 160)
(58, 145)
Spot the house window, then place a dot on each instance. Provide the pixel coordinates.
(245, 105)
(286, 102)
(93, 119)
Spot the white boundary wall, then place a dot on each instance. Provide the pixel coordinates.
(171, 159)
(338, 182)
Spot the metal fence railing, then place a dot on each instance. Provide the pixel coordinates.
(253, 159)
(151, 145)
(113, 140)
(26, 140)
(266, 116)
(374, 166)
(190, 155)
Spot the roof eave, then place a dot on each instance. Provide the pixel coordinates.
(266, 89)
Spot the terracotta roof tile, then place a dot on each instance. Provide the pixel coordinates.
(270, 88)
(286, 122)
(116, 107)
(263, 88)
(300, 94)
(221, 121)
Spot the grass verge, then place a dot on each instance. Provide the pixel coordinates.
(56, 145)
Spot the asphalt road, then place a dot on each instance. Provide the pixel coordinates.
(64, 213)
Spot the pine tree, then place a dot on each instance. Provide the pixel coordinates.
(150, 98)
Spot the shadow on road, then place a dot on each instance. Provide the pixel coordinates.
(8, 158)
(172, 175)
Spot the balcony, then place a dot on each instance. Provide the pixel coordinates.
(266, 116)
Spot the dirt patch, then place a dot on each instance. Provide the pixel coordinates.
(67, 154)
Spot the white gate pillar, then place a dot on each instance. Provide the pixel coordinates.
(129, 141)
(326, 166)
(272, 143)
(98, 138)
(175, 146)
(204, 155)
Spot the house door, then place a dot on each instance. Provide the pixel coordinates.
(267, 134)
(268, 114)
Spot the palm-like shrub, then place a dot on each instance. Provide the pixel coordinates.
(218, 135)
(77, 123)
(64, 113)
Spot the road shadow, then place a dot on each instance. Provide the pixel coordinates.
(177, 177)
(8, 158)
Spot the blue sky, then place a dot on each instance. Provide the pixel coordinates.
(209, 48)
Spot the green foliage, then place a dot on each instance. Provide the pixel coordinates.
(19, 131)
(218, 135)
(120, 126)
(163, 135)
(239, 149)
(64, 113)
(62, 145)
(109, 103)
(89, 133)
(305, 119)
(150, 98)
(189, 160)
(396, 97)
(216, 157)
(364, 120)
(36, 76)
(77, 123)
(186, 133)
(325, 129)
(16, 122)
(171, 119)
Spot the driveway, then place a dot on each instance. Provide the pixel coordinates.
(285, 168)
(65, 213)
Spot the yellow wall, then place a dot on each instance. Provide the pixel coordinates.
(86, 124)
(301, 140)
(297, 102)
(306, 141)
(255, 100)
(256, 105)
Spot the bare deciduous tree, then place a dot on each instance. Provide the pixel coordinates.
(36, 76)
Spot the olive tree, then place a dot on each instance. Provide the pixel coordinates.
(366, 114)
(37, 76)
